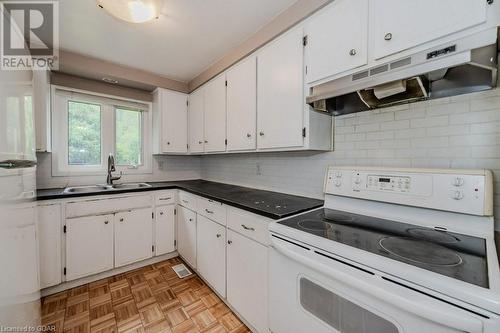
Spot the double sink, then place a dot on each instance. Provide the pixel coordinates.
(104, 188)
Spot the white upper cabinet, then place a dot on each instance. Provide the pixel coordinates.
(196, 115)
(242, 105)
(280, 92)
(133, 236)
(337, 39)
(215, 115)
(397, 25)
(174, 121)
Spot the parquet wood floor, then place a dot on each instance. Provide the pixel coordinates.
(151, 299)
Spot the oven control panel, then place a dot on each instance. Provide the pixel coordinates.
(469, 192)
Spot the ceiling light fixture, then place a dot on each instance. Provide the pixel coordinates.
(135, 11)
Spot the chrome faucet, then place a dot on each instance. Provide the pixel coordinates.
(111, 168)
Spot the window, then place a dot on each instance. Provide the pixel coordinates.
(84, 133)
(87, 128)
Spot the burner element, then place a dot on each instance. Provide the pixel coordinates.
(432, 235)
(313, 225)
(337, 216)
(420, 251)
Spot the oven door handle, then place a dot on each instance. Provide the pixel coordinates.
(455, 321)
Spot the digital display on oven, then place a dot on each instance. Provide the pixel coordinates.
(384, 180)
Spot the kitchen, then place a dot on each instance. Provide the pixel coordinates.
(321, 166)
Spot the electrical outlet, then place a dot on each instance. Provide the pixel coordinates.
(259, 171)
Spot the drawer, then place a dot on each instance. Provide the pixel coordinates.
(211, 209)
(248, 224)
(107, 205)
(165, 197)
(187, 200)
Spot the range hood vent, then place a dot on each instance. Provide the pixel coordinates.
(461, 67)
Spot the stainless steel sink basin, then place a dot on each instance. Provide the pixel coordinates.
(86, 189)
(130, 186)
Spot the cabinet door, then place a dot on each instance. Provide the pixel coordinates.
(280, 95)
(196, 115)
(49, 244)
(165, 229)
(174, 122)
(41, 109)
(337, 39)
(215, 115)
(133, 236)
(186, 235)
(211, 260)
(242, 105)
(398, 25)
(247, 279)
(89, 246)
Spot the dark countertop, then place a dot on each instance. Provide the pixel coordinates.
(274, 205)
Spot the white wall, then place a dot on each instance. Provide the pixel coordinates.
(457, 132)
(165, 168)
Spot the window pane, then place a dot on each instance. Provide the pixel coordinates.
(84, 133)
(128, 137)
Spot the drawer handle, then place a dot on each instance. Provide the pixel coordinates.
(166, 198)
(247, 228)
(230, 242)
(190, 220)
(185, 201)
(106, 222)
(161, 213)
(388, 36)
(209, 211)
(219, 235)
(121, 220)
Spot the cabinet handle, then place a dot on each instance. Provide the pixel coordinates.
(206, 141)
(219, 235)
(249, 135)
(185, 201)
(106, 222)
(247, 228)
(168, 143)
(200, 142)
(261, 133)
(161, 213)
(190, 220)
(162, 199)
(352, 52)
(121, 220)
(209, 211)
(388, 36)
(230, 242)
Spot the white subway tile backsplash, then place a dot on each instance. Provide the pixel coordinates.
(394, 125)
(429, 122)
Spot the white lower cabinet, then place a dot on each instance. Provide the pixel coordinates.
(247, 279)
(49, 244)
(133, 236)
(89, 245)
(211, 258)
(186, 235)
(165, 229)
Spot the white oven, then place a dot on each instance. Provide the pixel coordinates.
(312, 291)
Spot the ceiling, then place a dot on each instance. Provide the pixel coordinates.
(189, 36)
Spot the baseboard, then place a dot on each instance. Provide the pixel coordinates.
(88, 279)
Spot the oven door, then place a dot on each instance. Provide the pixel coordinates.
(311, 291)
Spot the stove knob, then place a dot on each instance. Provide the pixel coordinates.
(357, 180)
(458, 181)
(338, 183)
(457, 195)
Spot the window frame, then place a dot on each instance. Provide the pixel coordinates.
(61, 96)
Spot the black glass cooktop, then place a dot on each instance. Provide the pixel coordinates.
(457, 256)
